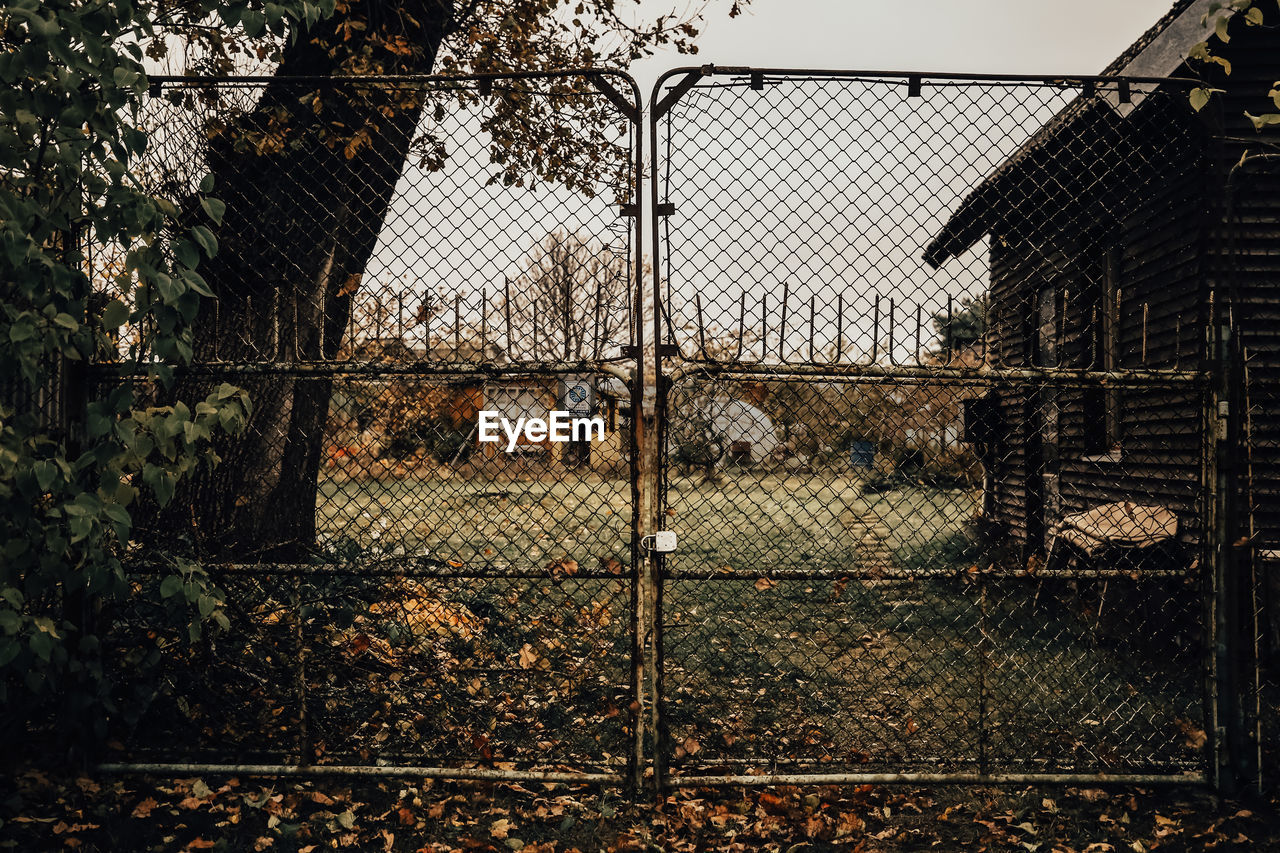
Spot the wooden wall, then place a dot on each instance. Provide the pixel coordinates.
(1152, 234)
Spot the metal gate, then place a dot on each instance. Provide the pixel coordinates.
(934, 381)
(397, 256)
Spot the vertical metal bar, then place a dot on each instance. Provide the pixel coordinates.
(764, 326)
(890, 320)
(702, 338)
(428, 312)
(919, 342)
(506, 309)
(1227, 723)
(875, 331)
(950, 331)
(782, 323)
(839, 326)
(742, 323)
(457, 326)
(812, 327)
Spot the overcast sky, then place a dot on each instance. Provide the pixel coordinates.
(996, 36)
(872, 176)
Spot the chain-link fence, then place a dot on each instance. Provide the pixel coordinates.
(938, 399)
(929, 375)
(397, 258)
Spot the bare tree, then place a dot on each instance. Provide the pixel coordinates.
(572, 302)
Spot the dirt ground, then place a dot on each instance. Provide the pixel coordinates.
(49, 811)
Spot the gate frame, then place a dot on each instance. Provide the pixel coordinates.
(631, 112)
(1224, 759)
(648, 738)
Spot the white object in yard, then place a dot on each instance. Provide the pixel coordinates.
(1122, 524)
(735, 421)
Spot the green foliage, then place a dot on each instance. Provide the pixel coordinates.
(1218, 18)
(76, 452)
(963, 326)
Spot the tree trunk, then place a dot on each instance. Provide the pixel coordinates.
(307, 175)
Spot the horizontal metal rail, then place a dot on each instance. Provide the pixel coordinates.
(894, 573)
(476, 774)
(941, 375)
(1064, 80)
(459, 371)
(771, 779)
(381, 570)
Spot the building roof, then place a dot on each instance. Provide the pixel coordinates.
(1076, 135)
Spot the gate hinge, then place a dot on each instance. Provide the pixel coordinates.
(666, 208)
(630, 210)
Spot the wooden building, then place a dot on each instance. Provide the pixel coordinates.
(1114, 233)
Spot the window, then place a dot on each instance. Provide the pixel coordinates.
(1102, 418)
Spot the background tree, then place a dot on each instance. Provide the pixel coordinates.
(961, 327)
(571, 302)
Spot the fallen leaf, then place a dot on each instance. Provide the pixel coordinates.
(500, 829)
(689, 746)
(143, 809)
(765, 583)
(530, 659)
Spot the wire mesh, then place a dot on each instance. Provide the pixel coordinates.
(938, 424)
(398, 258)
(936, 447)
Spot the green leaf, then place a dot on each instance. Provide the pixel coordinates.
(1220, 29)
(1262, 122)
(10, 621)
(214, 208)
(171, 586)
(115, 315)
(42, 645)
(1199, 98)
(1254, 16)
(46, 472)
(205, 238)
(9, 649)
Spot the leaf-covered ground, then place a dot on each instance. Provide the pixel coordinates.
(45, 811)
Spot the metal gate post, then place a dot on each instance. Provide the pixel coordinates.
(1228, 720)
